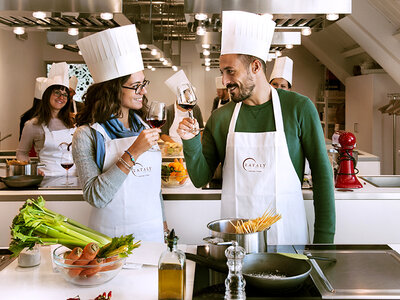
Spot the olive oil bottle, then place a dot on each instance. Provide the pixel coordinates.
(172, 271)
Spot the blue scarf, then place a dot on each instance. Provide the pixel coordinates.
(115, 130)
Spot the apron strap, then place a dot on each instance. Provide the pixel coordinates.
(276, 104)
(234, 117)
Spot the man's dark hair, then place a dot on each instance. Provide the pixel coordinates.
(248, 59)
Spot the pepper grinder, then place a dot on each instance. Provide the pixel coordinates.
(235, 283)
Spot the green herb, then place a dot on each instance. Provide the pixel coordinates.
(35, 224)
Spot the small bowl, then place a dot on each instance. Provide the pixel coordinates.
(174, 181)
(172, 149)
(75, 274)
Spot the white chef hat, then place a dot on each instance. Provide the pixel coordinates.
(112, 53)
(283, 68)
(59, 70)
(176, 80)
(218, 83)
(73, 83)
(58, 75)
(39, 85)
(246, 33)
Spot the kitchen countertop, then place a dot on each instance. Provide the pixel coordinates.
(190, 192)
(42, 283)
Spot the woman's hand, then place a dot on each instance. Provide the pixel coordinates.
(146, 139)
(188, 128)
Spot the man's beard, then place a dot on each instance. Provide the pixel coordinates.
(245, 90)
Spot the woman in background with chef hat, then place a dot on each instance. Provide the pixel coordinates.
(51, 124)
(119, 173)
(281, 76)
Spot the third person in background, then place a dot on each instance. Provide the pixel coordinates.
(281, 76)
(223, 95)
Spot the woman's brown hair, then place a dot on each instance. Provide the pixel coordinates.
(103, 102)
(43, 113)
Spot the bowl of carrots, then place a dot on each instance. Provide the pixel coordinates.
(83, 267)
(174, 174)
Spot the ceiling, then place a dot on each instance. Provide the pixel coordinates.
(165, 24)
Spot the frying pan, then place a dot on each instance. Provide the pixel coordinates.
(22, 181)
(290, 273)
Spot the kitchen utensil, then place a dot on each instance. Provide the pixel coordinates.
(22, 181)
(108, 270)
(27, 169)
(307, 257)
(223, 229)
(281, 273)
(272, 271)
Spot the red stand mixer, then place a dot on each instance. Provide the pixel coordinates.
(346, 176)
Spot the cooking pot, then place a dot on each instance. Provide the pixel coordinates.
(268, 271)
(27, 169)
(22, 181)
(222, 232)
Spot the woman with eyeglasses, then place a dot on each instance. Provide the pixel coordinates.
(50, 126)
(119, 172)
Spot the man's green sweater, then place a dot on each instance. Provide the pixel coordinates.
(304, 138)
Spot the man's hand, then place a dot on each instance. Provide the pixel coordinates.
(188, 128)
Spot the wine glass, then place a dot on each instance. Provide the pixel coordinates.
(66, 161)
(187, 100)
(156, 117)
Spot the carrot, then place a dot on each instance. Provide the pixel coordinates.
(92, 271)
(112, 266)
(73, 256)
(73, 272)
(88, 254)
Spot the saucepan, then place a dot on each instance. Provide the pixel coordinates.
(13, 168)
(222, 233)
(22, 181)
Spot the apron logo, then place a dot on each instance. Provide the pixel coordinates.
(250, 165)
(140, 171)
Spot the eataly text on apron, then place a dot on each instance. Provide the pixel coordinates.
(136, 207)
(258, 174)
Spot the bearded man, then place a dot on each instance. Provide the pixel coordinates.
(262, 138)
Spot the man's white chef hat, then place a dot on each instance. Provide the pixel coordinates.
(246, 33)
(218, 83)
(283, 68)
(73, 83)
(112, 53)
(58, 75)
(176, 80)
(39, 85)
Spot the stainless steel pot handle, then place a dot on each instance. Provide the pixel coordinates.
(217, 241)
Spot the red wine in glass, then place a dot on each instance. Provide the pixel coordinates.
(187, 106)
(155, 123)
(67, 166)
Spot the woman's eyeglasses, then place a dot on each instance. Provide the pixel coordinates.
(138, 87)
(59, 93)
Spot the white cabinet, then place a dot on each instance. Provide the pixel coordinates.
(373, 131)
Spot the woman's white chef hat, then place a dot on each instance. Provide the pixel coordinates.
(218, 83)
(112, 53)
(246, 33)
(39, 85)
(58, 75)
(176, 80)
(283, 68)
(73, 83)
